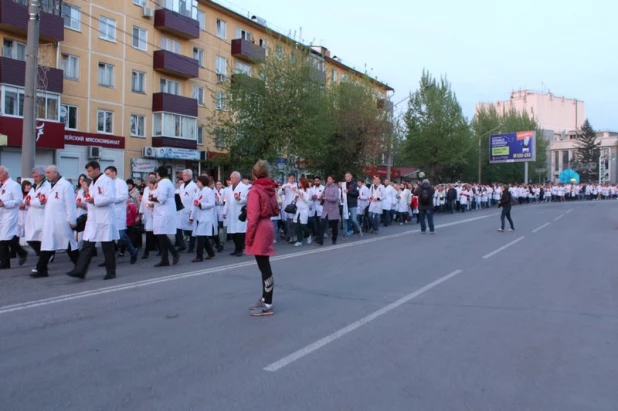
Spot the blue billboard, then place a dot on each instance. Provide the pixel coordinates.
(512, 147)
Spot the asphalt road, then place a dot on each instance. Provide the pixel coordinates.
(468, 319)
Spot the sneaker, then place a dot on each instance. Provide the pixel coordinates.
(259, 304)
(432, 232)
(298, 244)
(500, 230)
(263, 312)
(510, 229)
(309, 239)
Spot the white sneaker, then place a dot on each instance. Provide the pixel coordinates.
(309, 240)
(298, 244)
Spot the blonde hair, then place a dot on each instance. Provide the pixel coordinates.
(260, 169)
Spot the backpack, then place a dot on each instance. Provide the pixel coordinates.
(425, 197)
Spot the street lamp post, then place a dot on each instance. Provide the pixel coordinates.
(480, 160)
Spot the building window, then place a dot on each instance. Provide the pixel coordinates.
(243, 34)
(335, 76)
(565, 159)
(221, 29)
(106, 75)
(48, 104)
(12, 101)
(14, 50)
(70, 66)
(138, 81)
(200, 135)
(140, 38)
(71, 16)
(556, 161)
(170, 45)
(264, 43)
(243, 68)
(170, 86)
(105, 121)
(198, 54)
(107, 28)
(221, 68)
(175, 126)
(344, 78)
(198, 94)
(219, 139)
(220, 101)
(201, 18)
(138, 125)
(141, 3)
(68, 116)
(279, 51)
(187, 8)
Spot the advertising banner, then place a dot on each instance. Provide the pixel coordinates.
(512, 147)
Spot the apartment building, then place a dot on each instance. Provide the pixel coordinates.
(134, 83)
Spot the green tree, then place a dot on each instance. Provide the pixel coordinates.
(438, 138)
(490, 121)
(587, 152)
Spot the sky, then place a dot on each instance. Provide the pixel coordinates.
(485, 48)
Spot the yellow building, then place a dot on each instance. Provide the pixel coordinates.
(131, 83)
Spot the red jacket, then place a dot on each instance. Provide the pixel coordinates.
(261, 206)
(131, 214)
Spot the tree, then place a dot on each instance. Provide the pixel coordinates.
(588, 149)
(489, 121)
(438, 138)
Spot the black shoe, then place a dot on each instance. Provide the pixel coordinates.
(39, 275)
(23, 259)
(101, 264)
(220, 248)
(239, 254)
(210, 257)
(234, 253)
(176, 259)
(73, 274)
(162, 264)
(109, 277)
(197, 260)
(334, 243)
(145, 256)
(133, 259)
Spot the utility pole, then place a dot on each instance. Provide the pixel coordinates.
(28, 152)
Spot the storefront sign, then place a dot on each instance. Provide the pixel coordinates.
(80, 138)
(48, 133)
(143, 165)
(177, 153)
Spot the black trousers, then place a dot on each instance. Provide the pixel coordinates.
(203, 242)
(86, 253)
(151, 242)
(36, 246)
(166, 247)
(334, 226)
(8, 247)
(44, 256)
(180, 239)
(239, 242)
(268, 282)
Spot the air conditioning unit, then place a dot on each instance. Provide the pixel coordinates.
(94, 153)
(148, 152)
(147, 12)
(220, 78)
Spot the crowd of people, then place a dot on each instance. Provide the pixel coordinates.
(202, 214)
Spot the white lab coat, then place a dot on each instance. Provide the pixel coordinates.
(80, 197)
(389, 202)
(204, 217)
(11, 197)
(303, 205)
(363, 199)
(187, 194)
(120, 203)
(288, 194)
(165, 220)
(377, 197)
(101, 224)
(145, 211)
(60, 213)
(317, 203)
(219, 203)
(233, 207)
(36, 212)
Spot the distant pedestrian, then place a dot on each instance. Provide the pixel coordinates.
(505, 203)
(425, 195)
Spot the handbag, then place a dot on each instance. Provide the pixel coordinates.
(291, 208)
(80, 223)
(243, 214)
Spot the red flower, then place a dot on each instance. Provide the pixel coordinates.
(195, 202)
(100, 191)
(42, 198)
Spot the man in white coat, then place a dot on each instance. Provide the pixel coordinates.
(36, 210)
(11, 198)
(187, 191)
(100, 225)
(164, 221)
(59, 216)
(235, 199)
(120, 211)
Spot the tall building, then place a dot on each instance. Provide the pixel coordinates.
(131, 84)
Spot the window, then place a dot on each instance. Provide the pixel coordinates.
(70, 66)
(174, 125)
(200, 135)
(105, 121)
(198, 54)
(221, 68)
(220, 101)
(68, 116)
(198, 94)
(565, 159)
(221, 29)
(201, 18)
(140, 38)
(335, 76)
(243, 34)
(106, 75)
(170, 86)
(12, 101)
(170, 45)
(48, 104)
(71, 16)
(556, 160)
(219, 138)
(187, 8)
(243, 68)
(138, 81)
(141, 3)
(107, 28)
(138, 124)
(14, 49)
(279, 51)
(344, 78)
(263, 43)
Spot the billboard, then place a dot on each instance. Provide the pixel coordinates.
(512, 147)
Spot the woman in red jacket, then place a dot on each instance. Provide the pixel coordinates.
(261, 206)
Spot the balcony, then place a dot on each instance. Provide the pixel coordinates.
(175, 64)
(176, 24)
(174, 142)
(171, 103)
(317, 75)
(14, 72)
(385, 105)
(247, 51)
(14, 19)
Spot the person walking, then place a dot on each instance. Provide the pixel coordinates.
(146, 210)
(261, 206)
(164, 217)
(204, 219)
(11, 198)
(36, 210)
(235, 199)
(425, 195)
(120, 212)
(505, 203)
(330, 210)
(187, 190)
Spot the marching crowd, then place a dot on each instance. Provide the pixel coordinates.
(201, 214)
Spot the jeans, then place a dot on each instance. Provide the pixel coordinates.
(429, 215)
(354, 219)
(506, 213)
(124, 238)
(375, 221)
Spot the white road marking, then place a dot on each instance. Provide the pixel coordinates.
(357, 324)
(138, 284)
(504, 247)
(559, 217)
(569, 210)
(540, 228)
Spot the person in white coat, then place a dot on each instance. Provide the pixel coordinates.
(376, 197)
(304, 204)
(100, 225)
(187, 191)
(235, 199)
(165, 218)
(60, 220)
(11, 198)
(288, 195)
(120, 211)
(146, 209)
(36, 210)
(203, 216)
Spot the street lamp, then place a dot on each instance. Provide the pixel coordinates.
(480, 137)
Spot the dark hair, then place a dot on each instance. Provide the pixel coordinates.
(87, 180)
(130, 181)
(292, 175)
(152, 173)
(112, 168)
(25, 183)
(163, 172)
(93, 164)
(205, 180)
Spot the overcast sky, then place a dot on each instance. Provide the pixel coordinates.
(487, 48)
